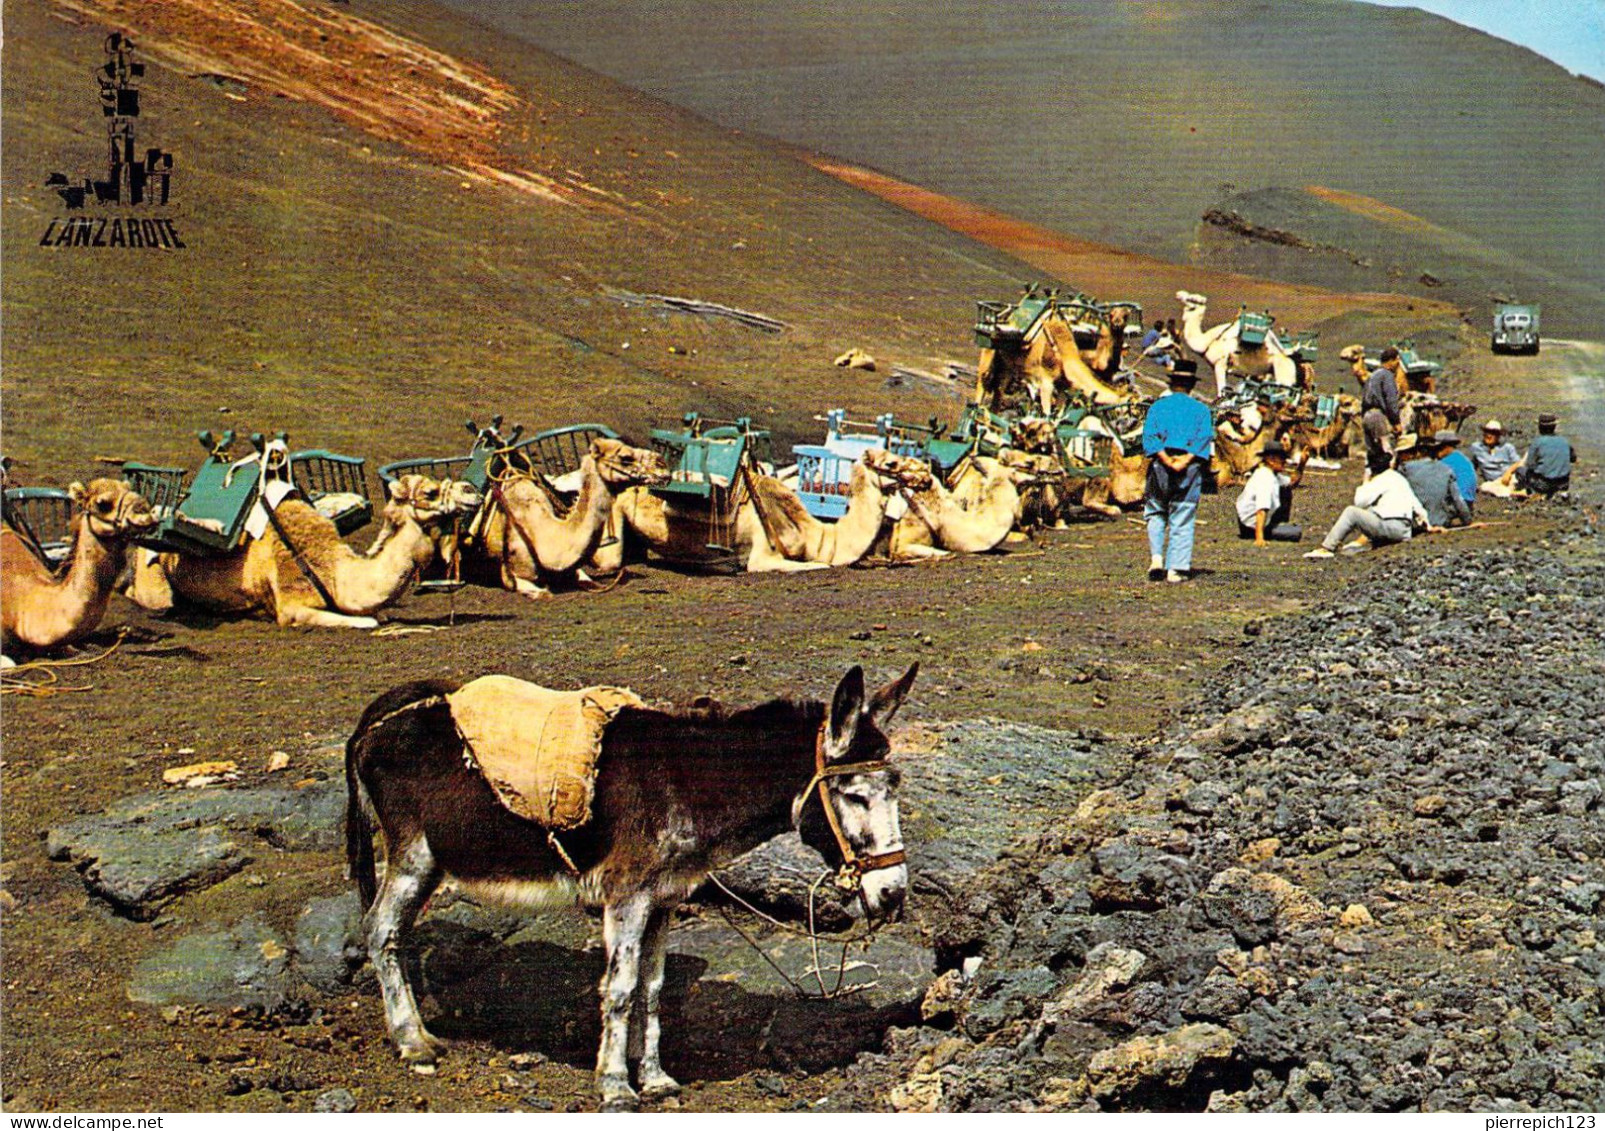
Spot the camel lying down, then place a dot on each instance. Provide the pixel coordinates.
(264, 578)
(42, 611)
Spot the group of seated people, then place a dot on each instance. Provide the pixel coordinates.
(1431, 486)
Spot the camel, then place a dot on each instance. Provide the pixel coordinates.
(39, 610)
(521, 538)
(1048, 360)
(1219, 347)
(1338, 437)
(1420, 410)
(972, 517)
(264, 576)
(1237, 450)
(782, 536)
(1104, 356)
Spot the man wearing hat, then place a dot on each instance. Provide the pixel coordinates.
(1493, 456)
(1177, 436)
(1381, 406)
(1385, 510)
(1433, 483)
(1447, 442)
(1266, 504)
(1546, 469)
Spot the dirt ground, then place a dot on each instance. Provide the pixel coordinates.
(1062, 632)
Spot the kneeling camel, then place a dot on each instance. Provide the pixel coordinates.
(39, 610)
(265, 577)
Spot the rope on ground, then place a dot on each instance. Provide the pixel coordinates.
(39, 678)
(405, 629)
(812, 935)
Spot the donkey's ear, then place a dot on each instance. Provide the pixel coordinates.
(885, 702)
(846, 706)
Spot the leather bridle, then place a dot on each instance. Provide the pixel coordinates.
(850, 876)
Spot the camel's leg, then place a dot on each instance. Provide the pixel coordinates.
(513, 579)
(771, 562)
(912, 551)
(411, 876)
(305, 616)
(1042, 384)
(151, 589)
(524, 587)
(1220, 374)
(983, 370)
(623, 925)
(655, 1083)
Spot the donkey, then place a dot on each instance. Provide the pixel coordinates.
(677, 795)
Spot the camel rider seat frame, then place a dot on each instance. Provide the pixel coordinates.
(544, 458)
(824, 471)
(210, 515)
(1253, 327)
(43, 517)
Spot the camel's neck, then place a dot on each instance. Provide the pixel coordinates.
(1076, 371)
(1106, 357)
(1192, 329)
(409, 547)
(857, 530)
(94, 567)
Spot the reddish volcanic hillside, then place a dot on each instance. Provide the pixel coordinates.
(394, 218)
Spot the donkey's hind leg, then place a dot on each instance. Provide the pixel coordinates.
(623, 926)
(411, 876)
(655, 1083)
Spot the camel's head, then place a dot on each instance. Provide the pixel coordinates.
(622, 466)
(1191, 301)
(1353, 353)
(1123, 317)
(1033, 434)
(112, 509)
(897, 471)
(429, 501)
(1021, 468)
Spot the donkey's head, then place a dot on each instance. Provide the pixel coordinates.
(849, 813)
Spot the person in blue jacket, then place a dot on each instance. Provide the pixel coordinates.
(1447, 445)
(1178, 438)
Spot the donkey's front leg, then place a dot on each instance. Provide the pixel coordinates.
(655, 1083)
(623, 926)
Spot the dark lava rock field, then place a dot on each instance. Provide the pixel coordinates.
(1366, 873)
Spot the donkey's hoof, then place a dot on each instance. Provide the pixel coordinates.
(617, 1095)
(660, 1087)
(422, 1067)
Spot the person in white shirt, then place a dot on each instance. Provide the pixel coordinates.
(1266, 504)
(1385, 511)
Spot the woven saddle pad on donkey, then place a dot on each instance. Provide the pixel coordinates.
(537, 747)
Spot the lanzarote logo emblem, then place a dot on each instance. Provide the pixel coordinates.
(133, 179)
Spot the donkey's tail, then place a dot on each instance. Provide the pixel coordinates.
(359, 829)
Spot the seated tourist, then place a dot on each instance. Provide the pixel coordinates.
(1266, 504)
(1546, 469)
(1447, 443)
(1434, 485)
(1494, 457)
(1385, 511)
